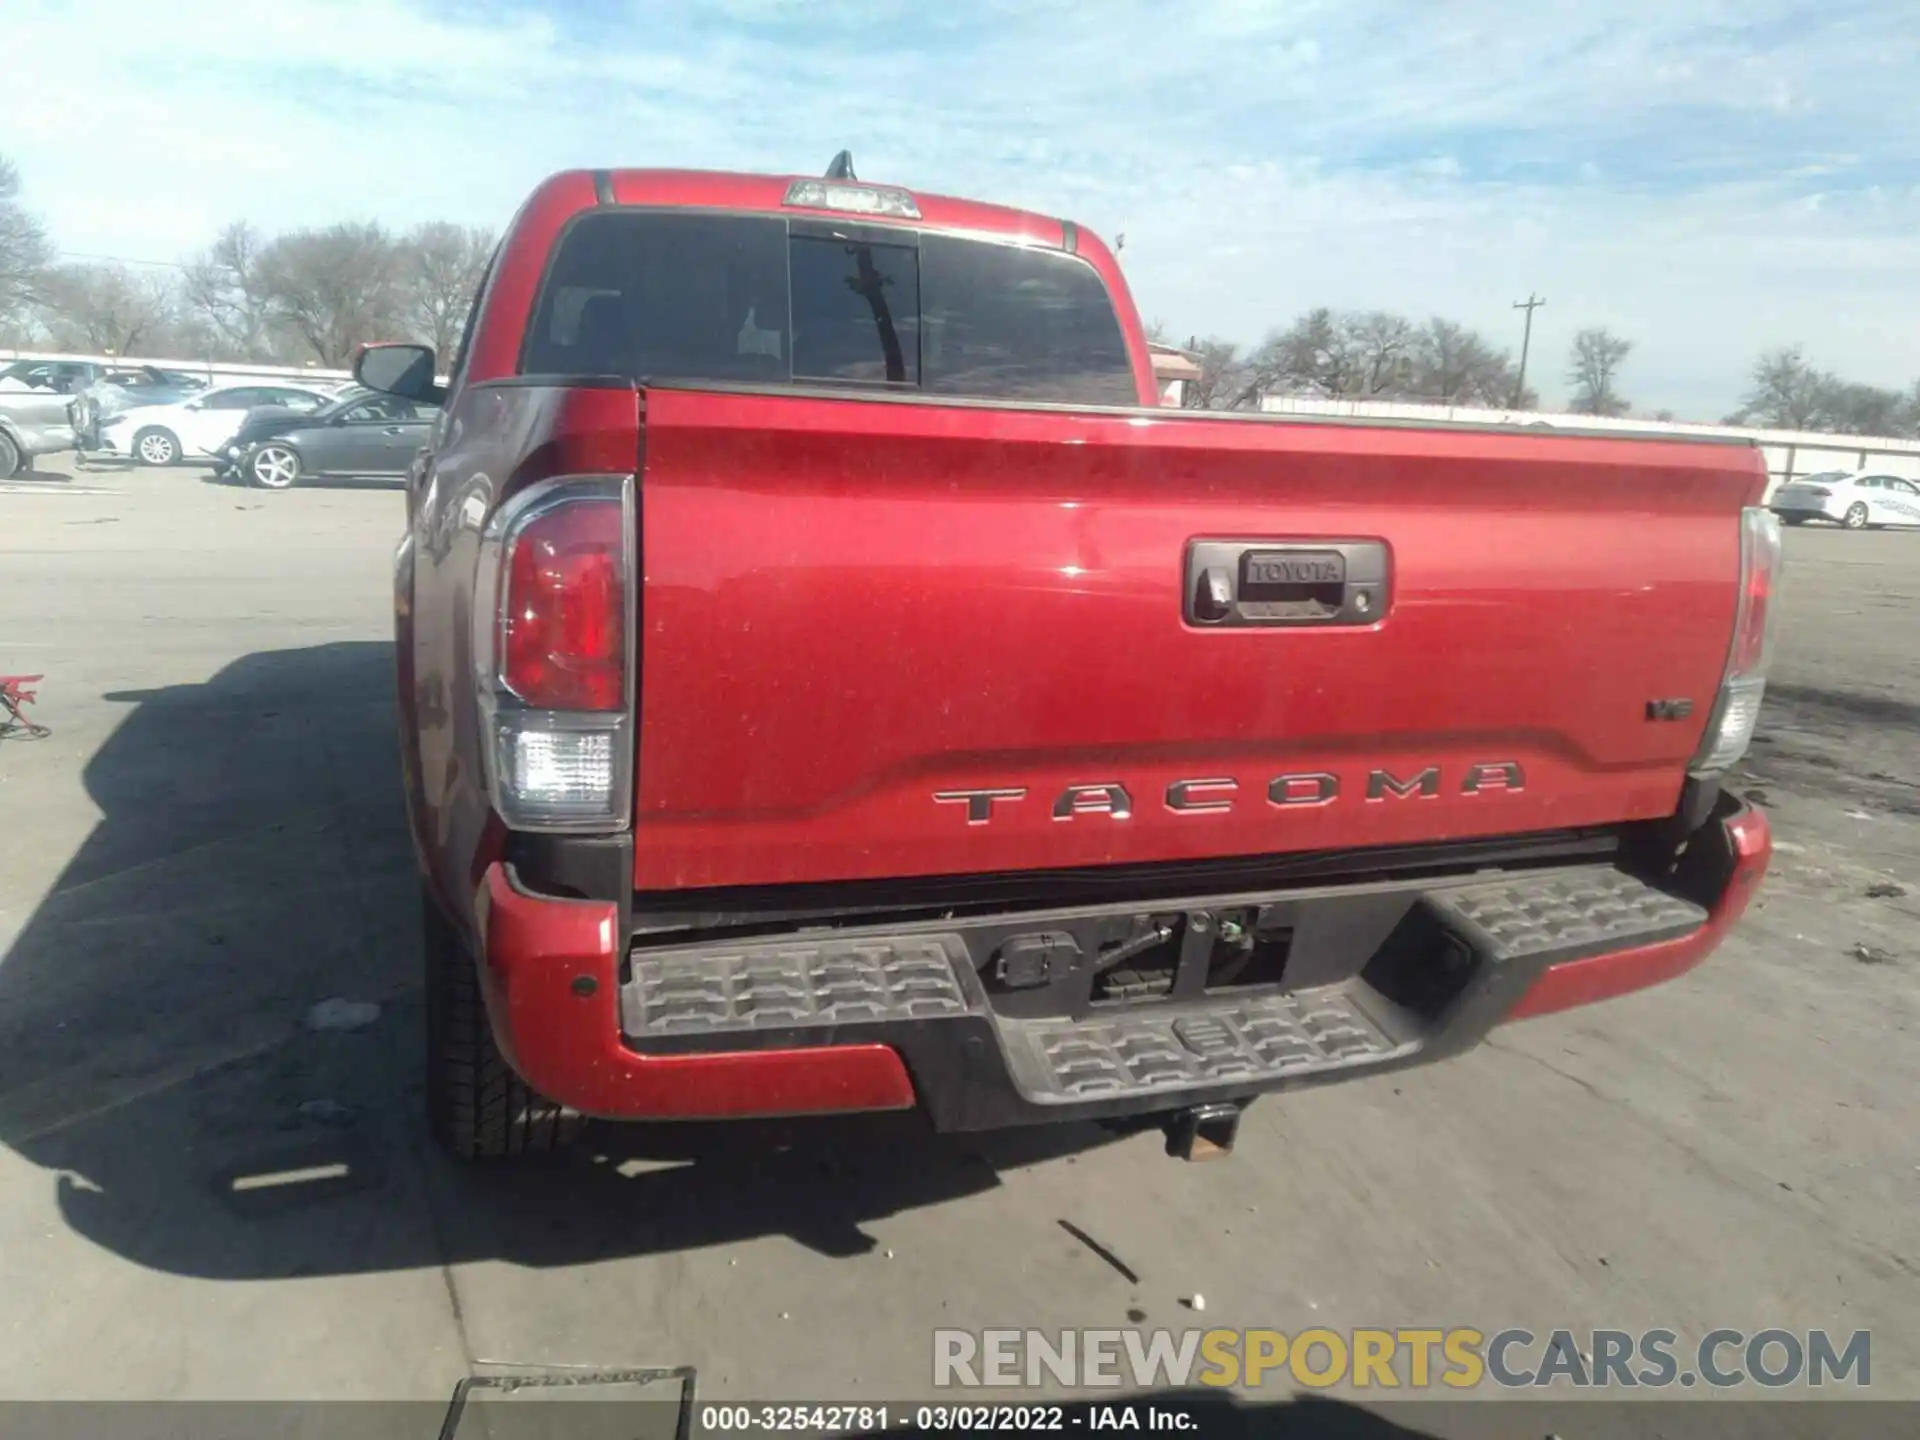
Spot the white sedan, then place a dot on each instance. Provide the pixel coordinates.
(166, 434)
(1855, 499)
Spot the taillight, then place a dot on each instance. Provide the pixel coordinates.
(553, 648)
(1744, 684)
(563, 622)
(1819, 492)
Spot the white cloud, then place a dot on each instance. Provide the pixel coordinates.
(1709, 179)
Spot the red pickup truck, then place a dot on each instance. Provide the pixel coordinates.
(829, 683)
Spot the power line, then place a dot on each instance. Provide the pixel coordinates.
(120, 260)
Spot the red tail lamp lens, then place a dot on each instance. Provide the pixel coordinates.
(563, 627)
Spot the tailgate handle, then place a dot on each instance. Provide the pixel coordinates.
(1239, 583)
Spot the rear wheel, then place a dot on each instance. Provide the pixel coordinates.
(477, 1108)
(156, 447)
(10, 460)
(274, 467)
(1856, 517)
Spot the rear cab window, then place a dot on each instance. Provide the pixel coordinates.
(778, 300)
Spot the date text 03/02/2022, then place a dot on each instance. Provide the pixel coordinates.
(828, 1419)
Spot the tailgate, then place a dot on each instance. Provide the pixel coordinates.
(883, 639)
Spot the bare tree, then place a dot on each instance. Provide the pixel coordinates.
(1310, 356)
(25, 252)
(1382, 346)
(1456, 366)
(1449, 354)
(1593, 369)
(1851, 408)
(1221, 383)
(1375, 354)
(335, 288)
(225, 292)
(110, 309)
(440, 266)
(1361, 354)
(1786, 394)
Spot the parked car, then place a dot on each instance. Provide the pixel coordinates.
(202, 426)
(32, 423)
(367, 437)
(269, 421)
(70, 377)
(1857, 499)
(150, 385)
(118, 391)
(55, 377)
(830, 681)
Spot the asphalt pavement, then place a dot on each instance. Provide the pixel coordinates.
(203, 1196)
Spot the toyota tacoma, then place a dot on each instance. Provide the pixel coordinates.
(829, 683)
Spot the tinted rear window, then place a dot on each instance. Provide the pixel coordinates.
(676, 296)
(855, 310)
(1024, 324)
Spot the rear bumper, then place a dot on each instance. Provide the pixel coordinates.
(1380, 977)
(1808, 507)
(562, 1033)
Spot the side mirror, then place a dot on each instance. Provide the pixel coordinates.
(403, 370)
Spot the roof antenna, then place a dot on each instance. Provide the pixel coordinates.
(842, 167)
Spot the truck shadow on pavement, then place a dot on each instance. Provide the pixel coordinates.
(251, 861)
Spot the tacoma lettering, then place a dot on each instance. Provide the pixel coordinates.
(1187, 796)
(1504, 776)
(979, 803)
(1381, 783)
(1093, 800)
(1318, 788)
(1214, 794)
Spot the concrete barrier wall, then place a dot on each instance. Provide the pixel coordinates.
(213, 372)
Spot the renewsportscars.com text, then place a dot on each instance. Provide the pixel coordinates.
(1458, 1358)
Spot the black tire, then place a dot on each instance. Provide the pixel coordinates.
(1793, 519)
(274, 467)
(477, 1108)
(1856, 516)
(156, 445)
(10, 458)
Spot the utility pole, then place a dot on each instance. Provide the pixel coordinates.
(1530, 304)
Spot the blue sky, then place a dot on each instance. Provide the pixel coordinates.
(1707, 178)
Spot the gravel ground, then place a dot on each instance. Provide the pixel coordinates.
(211, 843)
